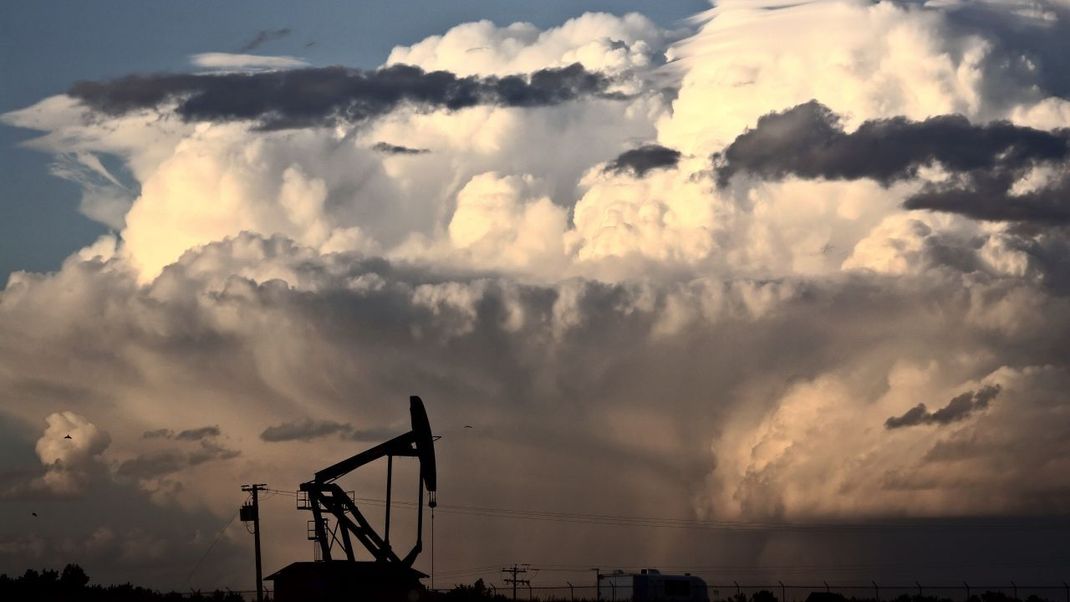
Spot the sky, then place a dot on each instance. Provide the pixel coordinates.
(794, 273)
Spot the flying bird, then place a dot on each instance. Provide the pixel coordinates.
(468, 426)
(68, 436)
(34, 514)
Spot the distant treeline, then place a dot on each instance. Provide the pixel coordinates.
(72, 585)
(478, 592)
(768, 596)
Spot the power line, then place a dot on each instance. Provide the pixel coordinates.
(811, 567)
(681, 523)
(218, 536)
(616, 520)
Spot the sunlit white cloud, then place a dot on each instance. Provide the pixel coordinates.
(225, 61)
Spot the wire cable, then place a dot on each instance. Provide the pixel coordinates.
(681, 523)
(432, 547)
(614, 520)
(218, 536)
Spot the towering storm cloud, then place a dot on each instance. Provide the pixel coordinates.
(705, 273)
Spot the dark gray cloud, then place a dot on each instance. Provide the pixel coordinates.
(988, 197)
(985, 160)
(322, 96)
(303, 430)
(643, 159)
(263, 37)
(146, 466)
(374, 434)
(198, 433)
(156, 464)
(394, 149)
(808, 141)
(960, 407)
(158, 434)
(211, 451)
(307, 429)
(195, 434)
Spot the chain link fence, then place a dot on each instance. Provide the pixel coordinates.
(731, 591)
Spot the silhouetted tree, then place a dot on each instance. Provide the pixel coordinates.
(72, 585)
(477, 592)
(73, 577)
(995, 597)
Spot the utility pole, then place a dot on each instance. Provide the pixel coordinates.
(518, 569)
(251, 512)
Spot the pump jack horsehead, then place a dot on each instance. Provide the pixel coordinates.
(325, 497)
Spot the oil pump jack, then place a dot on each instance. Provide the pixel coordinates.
(386, 576)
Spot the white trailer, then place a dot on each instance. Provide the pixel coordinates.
(650, 585)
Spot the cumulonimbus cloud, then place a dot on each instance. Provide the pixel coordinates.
(522, 286)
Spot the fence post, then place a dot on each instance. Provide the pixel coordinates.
(783, 595)
(571, 592)
(967, 591)
(876, 591)
(826, 586)
(1014, 587)
(739, 592)
(613, 589)
(920, 593)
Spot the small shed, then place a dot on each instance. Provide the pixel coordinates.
(345, 580)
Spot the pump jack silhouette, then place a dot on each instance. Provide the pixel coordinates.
(387, 576)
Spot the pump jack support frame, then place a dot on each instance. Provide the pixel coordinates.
(325, 497)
